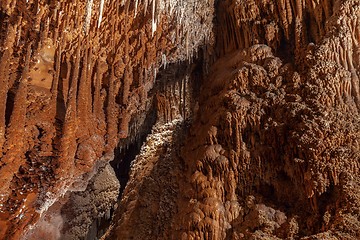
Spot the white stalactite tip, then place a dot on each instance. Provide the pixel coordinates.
(101, 9)
(136, 6)
(153, 19)
(164, 62)
(88, 16)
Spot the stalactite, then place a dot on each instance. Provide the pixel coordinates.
(75, 70)
(55, 82)
(153, 18)
(101, 9)
(89, 6)
(68, 140)
(83, 95)
(163, 59)
(146, 4)
(136, 8)
(111, 114)
(15, 132)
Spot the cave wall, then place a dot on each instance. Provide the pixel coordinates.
(260, 144)
(273, 150)
(74, 76)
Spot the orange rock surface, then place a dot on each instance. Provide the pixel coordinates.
(235, 119)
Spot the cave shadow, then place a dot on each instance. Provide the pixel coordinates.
(127, 150)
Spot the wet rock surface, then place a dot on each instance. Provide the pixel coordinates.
(253, 108)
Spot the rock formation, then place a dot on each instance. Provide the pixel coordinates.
(223, 119)
(75, 79)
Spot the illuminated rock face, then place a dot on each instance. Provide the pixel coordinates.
(274, 150)
(255, 119)
(75, 82)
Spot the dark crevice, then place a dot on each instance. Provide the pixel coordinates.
(9, 106)
(124, 154)
(127, 150)
(139, 128)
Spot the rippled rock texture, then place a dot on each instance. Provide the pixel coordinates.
(75, 80)
(274, 152)
(256, 111)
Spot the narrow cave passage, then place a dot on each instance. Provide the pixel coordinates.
(124, 154)
(127, 150)
(171, 84)
(171, 99)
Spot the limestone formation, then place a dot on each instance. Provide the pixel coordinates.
(229, 119)
(75, 75)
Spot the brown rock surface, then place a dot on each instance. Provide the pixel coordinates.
(258, 139)
(273, 151)
(74, 77)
